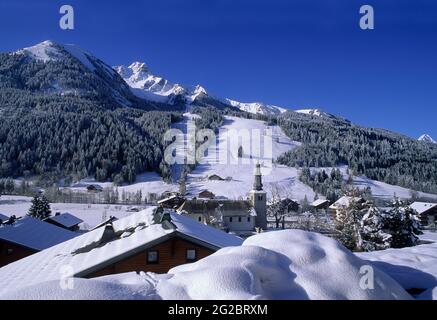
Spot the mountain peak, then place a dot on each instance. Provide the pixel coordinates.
(138, 67)
(426, 138)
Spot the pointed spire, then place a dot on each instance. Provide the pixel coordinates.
(257, 185)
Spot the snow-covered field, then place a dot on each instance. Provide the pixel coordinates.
(289, 264)
(91, 214)
(412, 267)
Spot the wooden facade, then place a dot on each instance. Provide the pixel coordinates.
(10, 252)
(171, 253)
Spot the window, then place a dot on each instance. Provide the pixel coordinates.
(199, 219)
(230, 219)
(191, 254)
(260, 198)
(239, 219)
(248, 219)
(152, 256)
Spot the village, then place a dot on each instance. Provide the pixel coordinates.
(176, 230)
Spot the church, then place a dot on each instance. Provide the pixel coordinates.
(237, 216)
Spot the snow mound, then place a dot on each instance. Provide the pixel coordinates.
(288, 264)
(82, 289)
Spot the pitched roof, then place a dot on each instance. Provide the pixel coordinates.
(319, 202)
(66, 219)
(91, 251)
(422, 207)
(344, 202)
(35, 234)
(209, 207)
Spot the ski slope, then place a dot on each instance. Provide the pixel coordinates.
(260, 143)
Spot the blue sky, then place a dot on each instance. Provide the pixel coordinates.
(294, 54)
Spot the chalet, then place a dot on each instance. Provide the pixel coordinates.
(65, 220)
(343, 203)
(3, 218)
(427, 212)
(206, 194)
(240, 216)
(320, 204)
(215, 177)
(171, 202)
(153, 240)
(94, 188)
(27, 236)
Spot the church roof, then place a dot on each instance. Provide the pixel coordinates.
(210, 207)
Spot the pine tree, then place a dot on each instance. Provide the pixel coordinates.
(40, 207)
(403, 224)
(348, 222)
(374, 235)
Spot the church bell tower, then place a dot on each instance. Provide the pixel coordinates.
(258, 198)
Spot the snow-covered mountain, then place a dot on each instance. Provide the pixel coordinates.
(51, 51)
(427, 138)
(146, 85)
(68, 69)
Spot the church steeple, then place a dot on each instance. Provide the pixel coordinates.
(258, 198)
(257, 185)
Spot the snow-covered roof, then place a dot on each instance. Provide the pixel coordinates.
(422, 207)
(210, 206)
(344, 202)
(66, 219)
(89, 252)
(35, 234)
(3, 217)
(286, 264)
(319, 202)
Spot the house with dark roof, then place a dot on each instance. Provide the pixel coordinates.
(206, 194)
(65, 220)
(27, 236)
(215, 177)
(153, 240)
(427, 212)
(94, 188)
(320, 204)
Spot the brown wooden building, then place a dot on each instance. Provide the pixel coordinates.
(153, 240)
(427, 212)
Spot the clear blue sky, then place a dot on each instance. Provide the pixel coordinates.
(294, 54)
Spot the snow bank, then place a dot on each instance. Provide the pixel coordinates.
(83, 289)
(412, 267)
(289, 264)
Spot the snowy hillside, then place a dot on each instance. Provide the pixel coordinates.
(284, 179)
(240, 170)
(289, 264)
(51, 51)
(426, 138)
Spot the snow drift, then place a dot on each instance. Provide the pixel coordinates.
(289, 264)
